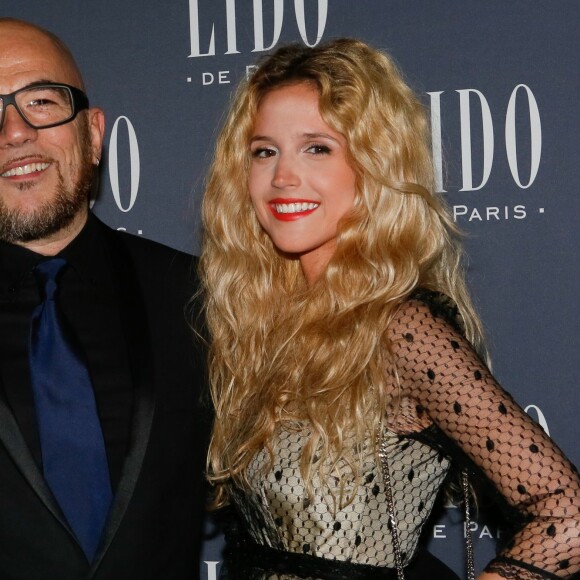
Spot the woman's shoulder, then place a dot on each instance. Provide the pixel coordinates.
(435, 304)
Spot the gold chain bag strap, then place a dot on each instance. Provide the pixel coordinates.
(470, 562)
(383, 456)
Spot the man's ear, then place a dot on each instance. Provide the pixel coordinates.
(97, 132)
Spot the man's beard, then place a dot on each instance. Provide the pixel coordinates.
(18, 226)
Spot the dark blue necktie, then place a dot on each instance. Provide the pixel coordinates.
(73, 450)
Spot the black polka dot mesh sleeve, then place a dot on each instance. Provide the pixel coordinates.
(439, 369)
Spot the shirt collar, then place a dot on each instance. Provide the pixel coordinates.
(84, 254)
(16, 263)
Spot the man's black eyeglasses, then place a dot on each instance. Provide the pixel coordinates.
(46, 105)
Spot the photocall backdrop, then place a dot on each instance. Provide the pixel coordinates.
(500, 80)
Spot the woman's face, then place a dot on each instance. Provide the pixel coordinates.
(300, 182)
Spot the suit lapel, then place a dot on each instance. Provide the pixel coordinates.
(18, 450)
(138, 340)
(10, 434)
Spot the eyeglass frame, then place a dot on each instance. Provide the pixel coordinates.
(79, 102)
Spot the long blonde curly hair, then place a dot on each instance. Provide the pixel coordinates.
(285, 352)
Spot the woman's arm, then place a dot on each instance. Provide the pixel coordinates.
(440, 370)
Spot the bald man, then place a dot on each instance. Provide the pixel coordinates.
(115, 305)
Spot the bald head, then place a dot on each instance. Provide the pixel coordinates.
(21, 40)
(45, 173)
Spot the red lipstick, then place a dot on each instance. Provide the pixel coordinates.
(291, 209)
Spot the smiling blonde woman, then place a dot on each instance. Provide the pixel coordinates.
(346, 359)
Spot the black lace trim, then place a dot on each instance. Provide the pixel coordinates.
(248, 560)
(515, 570)
(442, 306)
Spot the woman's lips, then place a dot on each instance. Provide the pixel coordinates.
(287, 210)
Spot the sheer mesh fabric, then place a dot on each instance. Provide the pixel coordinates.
(294, 536)
(440, 371)
(514, 571)
(448, 406)
(280, 514)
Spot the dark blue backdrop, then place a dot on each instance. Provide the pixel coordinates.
(500, 78)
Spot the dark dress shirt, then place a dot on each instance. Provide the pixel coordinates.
(91, 308)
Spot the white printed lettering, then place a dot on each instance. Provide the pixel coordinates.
(488, 142)
(535, 136)
(135, 166)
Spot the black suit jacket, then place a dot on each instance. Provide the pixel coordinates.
(155, 524)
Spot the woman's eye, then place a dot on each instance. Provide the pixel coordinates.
(318, 149)
(263, 153)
